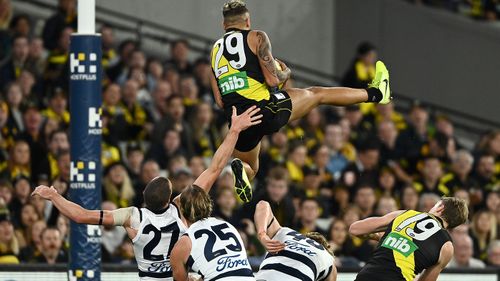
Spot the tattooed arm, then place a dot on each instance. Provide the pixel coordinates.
(262, 47)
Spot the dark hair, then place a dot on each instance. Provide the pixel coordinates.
(196, 204)
(306, 199)
(455, 211)
(55, 132)
(365, 47)
(47, 229)
(180, 41)
(278, 173)
(157, 194)
(234, 8)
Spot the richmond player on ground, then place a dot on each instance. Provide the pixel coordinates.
(244, 71)
(412, 242)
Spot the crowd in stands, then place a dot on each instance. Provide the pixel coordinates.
(321, 173)
(485, 10)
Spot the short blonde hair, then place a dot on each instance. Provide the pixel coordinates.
(196, 204)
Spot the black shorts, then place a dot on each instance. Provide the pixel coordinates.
(276, 112)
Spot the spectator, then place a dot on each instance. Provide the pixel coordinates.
(409, 198)
(135, 157)
(109, 57)
(57, 108)
(386, 205)
(202, 72)
(483, 232)
(63, 226)
(125, 50)
(14, 101)
(52, 251)
(365, 200)
(19, 161)
(386, 183)
(485, 173)
(427, 201)
(362, 69)
(6, 195)
(276, 192)
(9, 246)
(5, 14)
(225, 205)
(341, 244)
(154, 70)
(57, 71)
(179, 52)
(493, 204)
(37, 57)
(190, 93)
(7, 135)
(334, 141)
(64, 17)
(309, 213)
(461, 167)
(21, 25)
(365, 169)
(28, 217)
(494, 253)
(297, 156)
(181, 178)
(34, 250)
(112, 237)
(205, 133)
(134, 113)
(158, 108)
(11, 70)
(149, 170)
(117, 186)
(197, 166)
(430, 176)
(462, 256)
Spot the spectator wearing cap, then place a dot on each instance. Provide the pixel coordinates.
(494, 254)
(462, 256)
(179, 52)
(52, 251)
(149, 170)
(9, 246)
(57, 70)
(58, 108)
(365, 169)
(362, 69)
(206, 134)
(11, 70)
(309, 213)
(483, 232)
(410, 141)
(430, 176)
(117, 186)
(459, 175)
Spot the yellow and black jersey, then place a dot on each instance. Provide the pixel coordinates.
(237, 70)
(411, 243)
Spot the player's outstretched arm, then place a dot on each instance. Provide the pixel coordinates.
(267, 226)
(272, 74)
(78, 214)
(373, 224)
(238, 123)
(445, 255)
(178, 258)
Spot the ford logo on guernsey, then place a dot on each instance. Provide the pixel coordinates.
(231, 262)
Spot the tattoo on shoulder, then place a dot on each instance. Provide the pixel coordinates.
(265, 54)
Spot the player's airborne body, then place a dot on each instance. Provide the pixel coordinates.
(244, 72)
(155, 228)
(413, 242)
(291, 255)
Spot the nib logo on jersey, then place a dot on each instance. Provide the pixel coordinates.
(235, 82)
(83, 174)
(95, 122)
(83, 66)
(397, 242)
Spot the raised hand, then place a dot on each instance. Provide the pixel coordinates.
(45, 192)
(246, 119)
(272, 246)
